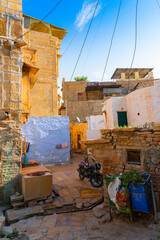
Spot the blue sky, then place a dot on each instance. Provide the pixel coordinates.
(71, 13)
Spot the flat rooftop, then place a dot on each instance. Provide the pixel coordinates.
(101, 85)
(130, 72)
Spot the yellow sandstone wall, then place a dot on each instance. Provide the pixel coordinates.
(42, 39)
(75, 130)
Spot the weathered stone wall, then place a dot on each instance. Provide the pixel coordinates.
(70, 90)
(83, 109)
(112, 149)
(78, 132)
(11, 40)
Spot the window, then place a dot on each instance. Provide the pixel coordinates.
(133, 157)
(80, 96)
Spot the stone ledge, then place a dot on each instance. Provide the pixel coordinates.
(96, 141)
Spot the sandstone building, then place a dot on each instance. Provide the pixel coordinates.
(28, 82)
(82, 99)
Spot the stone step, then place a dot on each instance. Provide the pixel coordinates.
(2, 222)
(15, 198)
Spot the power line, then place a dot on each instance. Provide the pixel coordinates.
(158, 4)
(84, 40)
(114, 30)
(77, 31)
(49, 13)
(135, 45)
(93, 40)
(95, 36)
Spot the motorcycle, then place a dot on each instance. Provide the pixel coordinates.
(91, 171)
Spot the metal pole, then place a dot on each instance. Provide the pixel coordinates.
(154, 203)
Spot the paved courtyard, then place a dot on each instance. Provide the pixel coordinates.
(82, 226)
(71, 189)
(78, 225)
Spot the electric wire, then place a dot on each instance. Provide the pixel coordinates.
(96, 32)
(110, 47)
(92, 42)
(84, 40)
(158, 4)
(135, 44)
(77, 32)
(49, 13)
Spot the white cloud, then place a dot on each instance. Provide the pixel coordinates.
(86, 13)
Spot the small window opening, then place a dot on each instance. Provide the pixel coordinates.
(80, 96)
(133, 157)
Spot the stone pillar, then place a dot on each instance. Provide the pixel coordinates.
(137, 75)
(11, 41)
(123, 76)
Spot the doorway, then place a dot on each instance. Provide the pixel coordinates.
(122, 119)
(78, 139)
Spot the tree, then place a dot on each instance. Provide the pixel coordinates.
(83, 78)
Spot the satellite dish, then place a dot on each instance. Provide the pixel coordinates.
(78, 119)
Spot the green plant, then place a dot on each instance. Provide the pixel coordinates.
(83, 78)
(132, 177)
(133, 126)
(13, 234)
(149, 124)
(126, 178)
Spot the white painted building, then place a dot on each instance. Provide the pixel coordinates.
(136, 108)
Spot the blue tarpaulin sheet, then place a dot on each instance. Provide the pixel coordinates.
(49, 139)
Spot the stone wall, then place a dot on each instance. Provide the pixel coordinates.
(78, 132)
(11, 40)
(111, 150)
(42, 49)
(83, 109)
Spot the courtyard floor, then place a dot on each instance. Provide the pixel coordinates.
(81, 225)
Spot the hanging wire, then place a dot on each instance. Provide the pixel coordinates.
(135, 44)
(77, 31)
(96, 32)
(114, 30)
(158, 4)
(49, 13)
(84, 40)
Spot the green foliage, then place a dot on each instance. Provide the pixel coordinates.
(13, 234)
(126, 178)
(149, 125)
(133, 126)
(132, 177)
(83, 78)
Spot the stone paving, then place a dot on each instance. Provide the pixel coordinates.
(82, 226)
(74, 194)
(71, 189)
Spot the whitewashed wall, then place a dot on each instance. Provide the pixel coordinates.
(142, 105)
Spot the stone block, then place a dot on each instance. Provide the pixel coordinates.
(15, 6)
(90, 193)
(2, 222)
(15, 198)
(3, 26)
(16, 215)
(32, 203)
(99, 211)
